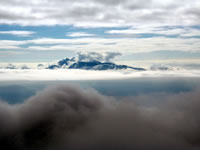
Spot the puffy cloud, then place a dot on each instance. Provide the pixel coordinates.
(66, 117)
(99, 12)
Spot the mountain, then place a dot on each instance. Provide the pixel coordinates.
(89, 65)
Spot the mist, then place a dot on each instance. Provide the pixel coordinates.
(68, 117)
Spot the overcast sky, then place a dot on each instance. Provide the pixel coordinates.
(45, 30)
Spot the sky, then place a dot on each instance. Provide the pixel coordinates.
(141, 30)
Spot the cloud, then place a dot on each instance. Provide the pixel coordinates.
(79, 34)
(159, 30)
(70, 74)
(95, 56)
(119, 45)
(66, 117)
(109, 56)
(18, 33)
(96, 13)
(32, 126)
(162, 67)
(11, 44)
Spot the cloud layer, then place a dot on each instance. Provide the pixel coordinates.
(67, 74)
(119, 45)
(99, 12)
(66, 117)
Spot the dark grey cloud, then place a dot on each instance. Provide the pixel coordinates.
(44, 120)
(66, 117)
(9, 16)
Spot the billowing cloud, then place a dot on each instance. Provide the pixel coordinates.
(99, 12)
(66, 117)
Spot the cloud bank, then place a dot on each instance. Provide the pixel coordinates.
(67, 74)
(66, 117)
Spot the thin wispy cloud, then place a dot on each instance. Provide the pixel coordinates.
(18, 33)
(159, 30)
(122, 45)
(79, 34)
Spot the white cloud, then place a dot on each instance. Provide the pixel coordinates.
(79, 34)
(100, 12)
(8, 47)
(11, 44)
(63, 74)
(123, 45)
(162, 30)
(18, 33)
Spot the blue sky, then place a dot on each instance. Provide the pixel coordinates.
(43, 31)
